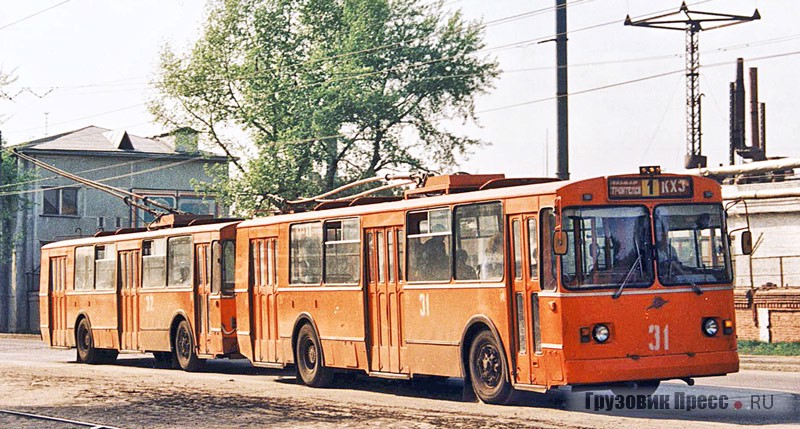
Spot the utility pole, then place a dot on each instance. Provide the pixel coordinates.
(562, 151)
(4, 284)
(692, 24)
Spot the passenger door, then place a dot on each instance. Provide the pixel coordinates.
(202, 297)
(525, 304)
(128, 299)
(385, 328)
(264, 278)
(58, 301)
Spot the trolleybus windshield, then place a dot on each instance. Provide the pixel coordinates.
(691, 244)
(607, 247)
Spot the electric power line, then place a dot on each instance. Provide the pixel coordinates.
(35, 14)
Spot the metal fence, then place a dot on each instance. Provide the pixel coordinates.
(761, 270)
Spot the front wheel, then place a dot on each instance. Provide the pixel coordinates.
(185, 354)
(488, 370)
(84, 342)
(310, 362)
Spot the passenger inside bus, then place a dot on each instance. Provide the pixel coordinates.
(463, 270)
(435, 260)
(491, 267)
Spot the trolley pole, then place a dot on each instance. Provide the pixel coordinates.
(562, 151)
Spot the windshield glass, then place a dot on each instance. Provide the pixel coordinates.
(607, 246)
(691, 244)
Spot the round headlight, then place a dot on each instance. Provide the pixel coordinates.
(710, 327)
(600, 333)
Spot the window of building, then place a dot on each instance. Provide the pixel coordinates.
(480, 236)
(429, 245)
(197, 205)
(105, 266)
(84, 268)
(154, 263)
(342, 243)
(60, 202)
(179, 262)
(305, 253)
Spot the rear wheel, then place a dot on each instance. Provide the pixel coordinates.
(185, 354)
(310, 362)
(488, 370)
(84, 342)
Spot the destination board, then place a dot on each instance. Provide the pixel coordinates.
(632, 188)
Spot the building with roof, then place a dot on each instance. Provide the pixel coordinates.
(165, 168)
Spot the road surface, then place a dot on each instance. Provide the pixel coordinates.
(134, 393)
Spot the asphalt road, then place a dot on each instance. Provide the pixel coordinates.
(133, 392)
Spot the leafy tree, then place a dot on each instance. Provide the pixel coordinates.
(328, 91)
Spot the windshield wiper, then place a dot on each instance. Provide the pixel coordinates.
(637, 263)
(695, 288)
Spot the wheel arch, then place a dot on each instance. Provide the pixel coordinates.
(475, 325)
(78, 319)
(177, 318)
(302, 319)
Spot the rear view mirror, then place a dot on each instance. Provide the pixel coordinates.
(560, 242)
(747, 242)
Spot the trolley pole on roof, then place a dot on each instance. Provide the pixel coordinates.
(692, 23)
(562, 151)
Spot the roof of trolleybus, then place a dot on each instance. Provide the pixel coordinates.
(572, 196)
(414, 203)
(115, 238)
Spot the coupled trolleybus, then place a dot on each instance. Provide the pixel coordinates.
(512, 284)
(620, 281)
(167, 291)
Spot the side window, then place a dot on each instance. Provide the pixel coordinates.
(480, 237)
(305, 253)
(84, 268)
(216, 267)
(429, 245)
(342, 244)
(228, 267)
(548, 256)
(105, 267)
(390, 244)
(517, 243)
(533, 249)
(179, 262)
(401, 257)
(154, 263)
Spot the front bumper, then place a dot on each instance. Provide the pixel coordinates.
(593, 371)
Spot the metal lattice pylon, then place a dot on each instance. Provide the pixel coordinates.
(692, 22)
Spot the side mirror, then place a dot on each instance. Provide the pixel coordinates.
(747, 242)
(560, 242)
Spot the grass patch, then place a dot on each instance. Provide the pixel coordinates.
(750, 347)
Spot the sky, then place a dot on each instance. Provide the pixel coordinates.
(90, 62)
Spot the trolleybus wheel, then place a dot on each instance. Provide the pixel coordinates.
(488, 370)
(85, 343)
(310, 362)
(185, 355)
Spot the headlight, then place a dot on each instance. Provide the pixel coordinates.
(600, 333)
(710, 326)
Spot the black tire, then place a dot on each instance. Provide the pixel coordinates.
(184, 348)
(84, 342)
(311, 368)
(488, 370)
(647, 387)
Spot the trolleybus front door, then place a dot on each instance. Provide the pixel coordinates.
(384, 299)
(129, 282)
(529, 368)
(202, 297)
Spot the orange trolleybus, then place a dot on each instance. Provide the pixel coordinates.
(168, 291)
(511, 284)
